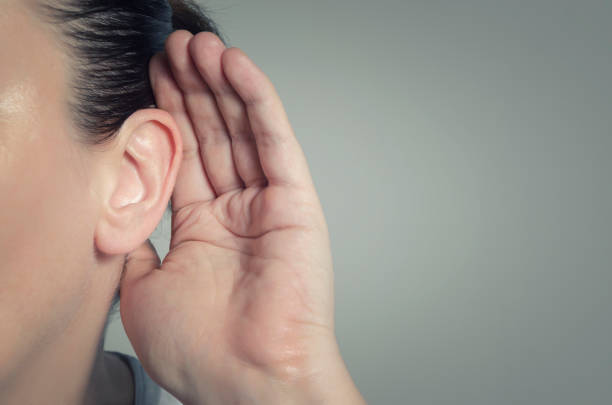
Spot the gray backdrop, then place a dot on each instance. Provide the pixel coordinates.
(461, 153)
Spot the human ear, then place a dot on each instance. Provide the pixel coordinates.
(136, 180)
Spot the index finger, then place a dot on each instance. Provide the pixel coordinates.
(280, 153)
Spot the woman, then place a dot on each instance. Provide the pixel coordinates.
(104, 118)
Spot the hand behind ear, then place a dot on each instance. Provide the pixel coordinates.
(242, 305)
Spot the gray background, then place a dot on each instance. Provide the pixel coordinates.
(461, 153)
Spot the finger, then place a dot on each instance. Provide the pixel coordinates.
(192, 183)
(280, 154)
(138, 264)
(206, 50)
(208, 124)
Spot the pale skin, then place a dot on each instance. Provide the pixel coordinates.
(231, 314)
(241, 308)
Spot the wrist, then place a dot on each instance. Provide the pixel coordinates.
(331, 385)
(324, 380)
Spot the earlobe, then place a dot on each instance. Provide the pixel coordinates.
(140, 182)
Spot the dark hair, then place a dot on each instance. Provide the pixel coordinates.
(110, 44)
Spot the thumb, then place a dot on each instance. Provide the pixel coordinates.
(139, 263)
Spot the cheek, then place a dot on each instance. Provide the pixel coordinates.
(45, 245)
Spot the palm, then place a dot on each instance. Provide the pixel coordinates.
(259, 262)
(247, 283)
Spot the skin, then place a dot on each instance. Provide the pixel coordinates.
(247, 286)
(241, 309)
(60, 199)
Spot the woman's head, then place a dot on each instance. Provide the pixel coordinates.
(87, 163)
(108, 44)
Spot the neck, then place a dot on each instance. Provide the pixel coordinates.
(71, 368)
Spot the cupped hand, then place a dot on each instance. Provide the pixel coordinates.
(242, 305)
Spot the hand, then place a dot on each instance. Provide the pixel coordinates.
(242, 305)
